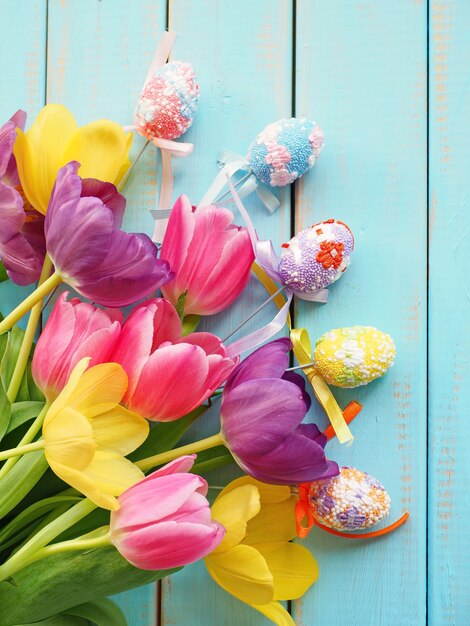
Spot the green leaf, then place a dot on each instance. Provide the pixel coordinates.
(101, 612)
(60, 620)
(179, 306)
(208, 460)
(190, 323)
(10, 355)
(3, 273)
(20, 480)
(22, 412)
(31, 514)
(5, 411)
(57, 583)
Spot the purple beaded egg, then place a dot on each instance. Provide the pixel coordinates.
(168, 102)
(316, 257)
(353, 500)
(285, 150)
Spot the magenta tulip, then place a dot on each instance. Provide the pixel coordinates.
(261, 414)
(73, 331)
(210, 256)
(164, 521)
(89, 251)
(169, 375)
(22, 245)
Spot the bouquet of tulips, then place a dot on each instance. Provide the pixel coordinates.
(96, 495)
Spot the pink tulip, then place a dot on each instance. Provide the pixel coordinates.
(210, 256)
(169, 375)
(74, 330)
(164, 521)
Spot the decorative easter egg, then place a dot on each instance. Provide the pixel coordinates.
(353, 500)
(316, 257)
(349, 357)
(285, 150)
(168, 102)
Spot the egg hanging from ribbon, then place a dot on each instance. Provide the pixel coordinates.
(168, 102)
(354, 356)
(285, 150)
(353, 500)
(316, 257)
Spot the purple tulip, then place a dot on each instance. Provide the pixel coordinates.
(21, 228)
(261, 414)
(88, 249)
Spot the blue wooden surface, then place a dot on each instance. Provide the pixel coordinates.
(361, 70)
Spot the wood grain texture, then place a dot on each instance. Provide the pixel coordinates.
(361, 74)
(98, 56)
(449, 313)
(242, 55)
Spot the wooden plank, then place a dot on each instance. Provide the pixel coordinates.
(98, 56)
(23, 56)
(242, 55)
(361, 74)
(449, 310)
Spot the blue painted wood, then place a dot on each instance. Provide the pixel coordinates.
(361, 74)
(449, 313)
(98, 56)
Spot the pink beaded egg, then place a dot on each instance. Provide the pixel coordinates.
(168, 102)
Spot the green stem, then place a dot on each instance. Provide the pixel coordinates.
(28, 338)
(68, 546)
(28, 303)
(19, 450)
(24, 555)
(170, 455)
(27, 438)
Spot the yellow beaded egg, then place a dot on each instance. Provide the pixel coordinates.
(350, 357)
(353, 500)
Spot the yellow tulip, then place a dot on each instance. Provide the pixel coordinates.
(87, 434)
(256, 562)
(54, 139)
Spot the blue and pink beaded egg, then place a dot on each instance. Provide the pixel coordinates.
(316, 257)
(285, 150)
(353, 500)
(168, 102)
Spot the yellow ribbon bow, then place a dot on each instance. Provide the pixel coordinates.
(303, 351)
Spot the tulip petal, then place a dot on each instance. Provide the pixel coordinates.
(108, 194)
(244, 573)
(233, 510)
(111, 473)
(7, 140)
(61, 401)
(166, 324)
(11, 212)
(69, 440)
(99, 389)
(20, 260)
(233, 276)
(154, 498)
(40, 153)
(168, 544)
(293, 567)
(129, 271)
(296, 460)
(182, 464)
(211, 344)
(158, 395)
(86, 486)
(275, 522)
(270, 409)
(276, 613)
(135, 344)
(102, 148)
(119, 430)
(269, 361)
(269, 494)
